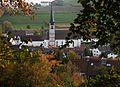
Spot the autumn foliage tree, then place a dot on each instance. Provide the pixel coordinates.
(16, 5)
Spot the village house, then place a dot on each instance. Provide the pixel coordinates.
(91, 66)
(103, 51)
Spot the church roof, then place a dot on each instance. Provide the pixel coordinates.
(52, 17)
(33, 37)
(61, 34)
(22, 35)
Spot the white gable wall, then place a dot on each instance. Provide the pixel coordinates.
(34, 43)
(112, 55)
(96, 52)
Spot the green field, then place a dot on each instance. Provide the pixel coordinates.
(70, 1)
(41, 20)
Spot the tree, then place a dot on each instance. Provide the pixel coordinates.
(15, 5)
(110, 79)
(100, 18)
(1, 12)
(28, 27)
(22, 68)
(7, 26)
(72, 55)
(66, 76)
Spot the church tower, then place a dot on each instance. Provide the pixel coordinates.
(51, 28)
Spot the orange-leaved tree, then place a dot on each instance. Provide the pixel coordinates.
(16, 5)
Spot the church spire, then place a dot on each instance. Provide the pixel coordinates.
(51, 16)
(51, 28)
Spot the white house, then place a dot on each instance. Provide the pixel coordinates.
(112, 55)
(96, 52)
(104, 51)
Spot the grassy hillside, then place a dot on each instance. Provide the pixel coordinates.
(63, 15)
(41, 20)
(70, 1)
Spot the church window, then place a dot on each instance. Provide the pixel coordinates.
(62, 43)
(56, 43)
(51, 27)
(73, 43)
(44, 43)
(52, 38)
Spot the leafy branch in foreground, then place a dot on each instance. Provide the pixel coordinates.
(110, 79)
(14, 6)
(100, 18)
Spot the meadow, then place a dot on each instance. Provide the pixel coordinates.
(41, 20)
(63, 15)
(70, 1)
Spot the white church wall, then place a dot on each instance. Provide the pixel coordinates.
(59, 42)
(46, 43)
(76, 43)
(34, 43)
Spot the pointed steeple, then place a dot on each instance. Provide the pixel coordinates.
(51, 28)
(51, 16)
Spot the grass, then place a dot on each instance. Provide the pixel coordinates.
(70, 1)
(41, 20)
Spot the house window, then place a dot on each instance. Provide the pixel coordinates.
(108, 65)
(103, 61)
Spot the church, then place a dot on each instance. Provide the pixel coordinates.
(51, 38)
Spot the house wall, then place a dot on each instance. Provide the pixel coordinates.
(93, 39)
(15, 42)
(96, 52)
(46, 43)
(112, 55)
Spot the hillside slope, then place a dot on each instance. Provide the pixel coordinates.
(70, 1)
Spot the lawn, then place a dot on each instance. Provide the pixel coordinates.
(41, 20)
